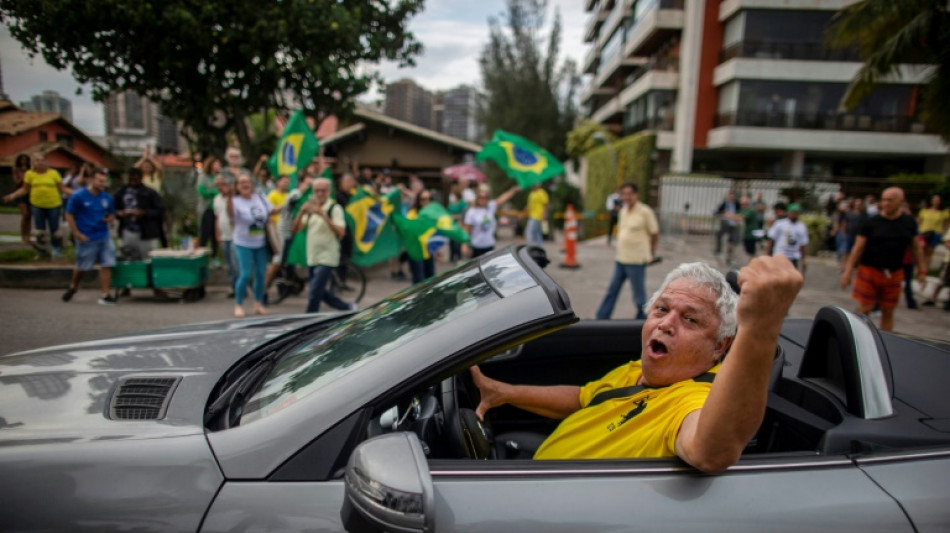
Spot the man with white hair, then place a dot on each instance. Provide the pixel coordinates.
(665, 404)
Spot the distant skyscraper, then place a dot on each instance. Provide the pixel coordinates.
(134, 122)
(3, 94)
(49, 102)
(458, 115)
(407, 101)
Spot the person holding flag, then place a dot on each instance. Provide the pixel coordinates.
(479, 221)
(296, 148)
(423, 231)
(325, 224)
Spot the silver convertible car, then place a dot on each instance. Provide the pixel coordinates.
(365, 422)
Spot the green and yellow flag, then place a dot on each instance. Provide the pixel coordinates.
(296, 148)
(523, 161)
(370, 220)
(423, 233)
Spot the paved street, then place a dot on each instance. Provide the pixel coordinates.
(36, 318)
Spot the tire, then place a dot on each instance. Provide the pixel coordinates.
(351, 288)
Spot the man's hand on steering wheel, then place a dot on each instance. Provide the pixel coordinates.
(491, 392)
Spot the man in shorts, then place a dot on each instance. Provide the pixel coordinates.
(878, 254)
(88, 213)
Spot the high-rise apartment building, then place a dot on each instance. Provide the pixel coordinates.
(134, 122)
(409, 102)
(459, 113)
(749, 86)
(49, 102)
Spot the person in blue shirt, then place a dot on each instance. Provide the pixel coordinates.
(88, 213)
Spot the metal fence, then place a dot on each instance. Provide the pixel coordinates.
(687, 204)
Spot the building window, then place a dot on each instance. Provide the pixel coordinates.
(779, 34)
(134, 112)
(64, 140)
(653, 111)
(43, 136)
(802, 105)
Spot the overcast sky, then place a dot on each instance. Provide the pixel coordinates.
(453, 33)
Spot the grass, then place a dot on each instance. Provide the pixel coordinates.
(20, 256)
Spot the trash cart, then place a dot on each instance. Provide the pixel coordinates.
(177, 274)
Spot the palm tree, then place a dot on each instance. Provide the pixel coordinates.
(891, 33)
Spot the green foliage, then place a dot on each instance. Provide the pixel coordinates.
(890, 33)
(634, 163)
(212, 63)
(526, 91)
(817, 225)
(562, 194)
(585, 137)
(920, 187)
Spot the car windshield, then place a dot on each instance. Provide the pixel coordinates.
(382, 328)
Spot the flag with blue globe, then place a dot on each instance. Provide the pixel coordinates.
(521, 159)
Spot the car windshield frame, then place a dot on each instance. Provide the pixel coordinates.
(353, 342)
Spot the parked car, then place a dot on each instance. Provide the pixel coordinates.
(365, 421)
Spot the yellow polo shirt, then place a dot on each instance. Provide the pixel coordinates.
(278, 199)
(635, 226)
(932, 219)
(537, 201)
(44, 188)
(643, 425)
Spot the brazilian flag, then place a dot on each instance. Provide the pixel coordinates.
(523, 161)
(296, 148)
(370, 219)
(423, 233)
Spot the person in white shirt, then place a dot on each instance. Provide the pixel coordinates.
(223, 233)
(480, 222)
(789, 237)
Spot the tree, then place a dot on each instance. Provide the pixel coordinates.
(211, 63)
(891, 33)
(526, 92)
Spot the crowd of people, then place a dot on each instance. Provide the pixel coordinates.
(247, 220)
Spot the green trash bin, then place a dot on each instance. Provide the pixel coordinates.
(131, 275)
(179, 272)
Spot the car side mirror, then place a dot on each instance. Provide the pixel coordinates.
(388, 486)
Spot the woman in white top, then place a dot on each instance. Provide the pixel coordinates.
(480, 222)
(249, 211)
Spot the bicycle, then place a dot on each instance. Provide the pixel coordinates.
(353, 281)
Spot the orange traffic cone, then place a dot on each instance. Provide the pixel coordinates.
(570, 238)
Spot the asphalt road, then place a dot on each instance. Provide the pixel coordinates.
(36, 318)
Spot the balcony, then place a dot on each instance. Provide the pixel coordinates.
(811, 121)
(610, 112)
(650, 80)
(811, 51)
(652, 26)
(592, 30)
(589, 66)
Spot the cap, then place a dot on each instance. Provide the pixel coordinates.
(795, 208)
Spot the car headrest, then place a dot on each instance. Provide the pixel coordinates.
(845, 356)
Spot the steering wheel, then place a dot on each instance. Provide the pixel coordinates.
(467, 436)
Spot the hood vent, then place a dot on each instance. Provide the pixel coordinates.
(142, 398)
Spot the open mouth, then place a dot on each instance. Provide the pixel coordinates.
(657, 347)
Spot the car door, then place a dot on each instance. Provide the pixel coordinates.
(799, 493)
(919, 480)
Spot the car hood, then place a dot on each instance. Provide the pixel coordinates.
(64, 392)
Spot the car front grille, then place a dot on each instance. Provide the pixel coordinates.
(142, 398)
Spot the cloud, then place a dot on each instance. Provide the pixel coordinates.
(24, 77)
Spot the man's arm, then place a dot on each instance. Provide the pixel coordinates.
(71, 220)
(556, 401)
(856, 252)
(712, 438)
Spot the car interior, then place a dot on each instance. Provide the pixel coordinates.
(816, 403)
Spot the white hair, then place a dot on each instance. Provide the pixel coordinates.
(703, 276)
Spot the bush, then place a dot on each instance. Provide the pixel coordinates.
(817, 225)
